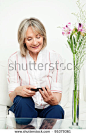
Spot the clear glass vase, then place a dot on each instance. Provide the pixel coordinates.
(75, 108)
(76, 97)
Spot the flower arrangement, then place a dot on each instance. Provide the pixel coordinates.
(76, 39)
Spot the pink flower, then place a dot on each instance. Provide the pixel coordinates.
(69, 23)
(63, 27)
(66, 30)
(80, 27)
(63, 33)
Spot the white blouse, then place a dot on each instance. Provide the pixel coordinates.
(47, 71)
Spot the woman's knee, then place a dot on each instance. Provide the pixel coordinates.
(55, 111)
(24, 108)
(23, 101)
(59, 111)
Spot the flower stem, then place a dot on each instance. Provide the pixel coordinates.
(75, 86)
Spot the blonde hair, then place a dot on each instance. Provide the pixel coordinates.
(37, 26)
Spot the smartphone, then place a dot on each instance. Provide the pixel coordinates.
(37, 89)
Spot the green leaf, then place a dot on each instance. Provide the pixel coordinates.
(78, 35)
(71, 43)
(74, 40)
(79, 45)
(74, 45)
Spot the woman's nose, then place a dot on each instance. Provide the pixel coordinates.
(34, 41)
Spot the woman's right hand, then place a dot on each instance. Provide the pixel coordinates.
(25, 91)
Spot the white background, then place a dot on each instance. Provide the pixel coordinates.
(52, 13)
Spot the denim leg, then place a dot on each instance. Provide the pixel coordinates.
(24, 109)
(55, 111)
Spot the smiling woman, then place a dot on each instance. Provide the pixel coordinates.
(34, 42)
(23, 84)
(31, 33)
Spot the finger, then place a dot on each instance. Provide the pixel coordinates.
(48, 90)
(33, 92)
(45, 92)
(29, 91)
(43, 95)
(25, 94)
(30, 86)
(28, 94)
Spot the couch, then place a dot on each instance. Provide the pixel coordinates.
(66, 101)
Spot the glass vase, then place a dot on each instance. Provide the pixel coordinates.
(76, 97)
(75, 109)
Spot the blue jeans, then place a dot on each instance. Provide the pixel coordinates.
(24, 107)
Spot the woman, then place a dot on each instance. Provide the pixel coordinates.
(30, 68)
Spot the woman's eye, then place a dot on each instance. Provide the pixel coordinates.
(29, 39)
(38, 37)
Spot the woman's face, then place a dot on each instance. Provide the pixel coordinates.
(34, 41)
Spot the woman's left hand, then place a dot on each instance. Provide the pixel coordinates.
(47, 95)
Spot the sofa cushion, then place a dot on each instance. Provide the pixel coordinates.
(4, 97)
(3, 110)
(67, 77)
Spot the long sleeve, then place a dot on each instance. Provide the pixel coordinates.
(12, 73)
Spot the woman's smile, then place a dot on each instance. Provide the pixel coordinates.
(35, 47)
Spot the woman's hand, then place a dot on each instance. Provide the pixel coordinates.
(25, 91)
(47, 95)
(50, 97)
